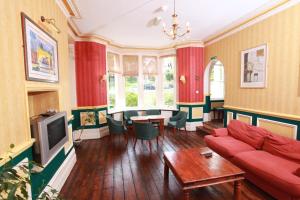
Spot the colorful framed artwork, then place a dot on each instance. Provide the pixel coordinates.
(40, 53)
(254, 67)
(87, 119)
(102, 117)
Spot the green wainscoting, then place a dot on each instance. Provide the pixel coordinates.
(255, 116)
(189, 109)
(76, 121)
(40, 180)
(207, 105)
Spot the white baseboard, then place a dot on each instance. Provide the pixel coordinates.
(62, 173)
(90, 134)
(104, 131)
(206, 117)
(87, 134)
(191, 126)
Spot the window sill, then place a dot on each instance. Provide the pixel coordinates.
(118, 110)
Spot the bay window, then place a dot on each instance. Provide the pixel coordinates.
(130, 72)
(169, 82)
(114, 73)
(150, 81)
(139, 82)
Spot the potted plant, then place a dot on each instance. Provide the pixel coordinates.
(14, 181)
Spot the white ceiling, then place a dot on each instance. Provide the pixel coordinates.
(126, 21)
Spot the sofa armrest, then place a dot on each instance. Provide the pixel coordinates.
(219, 132)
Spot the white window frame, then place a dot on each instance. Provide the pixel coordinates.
(120, 87)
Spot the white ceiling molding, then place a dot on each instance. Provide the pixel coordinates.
(69, 10)
(63, 8)
(240, 25)
(216, 33)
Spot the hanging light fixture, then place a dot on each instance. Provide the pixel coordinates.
(174, 32)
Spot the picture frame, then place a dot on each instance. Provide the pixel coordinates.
(87, 119)
(254, 67)
(102, 117)
(40, 52)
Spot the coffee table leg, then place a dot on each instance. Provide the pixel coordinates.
(166, 172)
(186, 195)
(237, 190)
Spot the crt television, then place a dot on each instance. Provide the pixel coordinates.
(50, 133)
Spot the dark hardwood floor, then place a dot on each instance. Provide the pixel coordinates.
(108, 169)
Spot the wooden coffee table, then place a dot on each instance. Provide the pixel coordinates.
(193, 170)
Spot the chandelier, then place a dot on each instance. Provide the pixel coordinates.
(174, 32)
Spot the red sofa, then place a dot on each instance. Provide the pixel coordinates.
(270, 161)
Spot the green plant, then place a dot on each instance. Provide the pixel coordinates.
(169, 76)
(15, 179)
(131, 99)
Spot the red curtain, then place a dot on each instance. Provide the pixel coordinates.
(190, 63)
(90, 59)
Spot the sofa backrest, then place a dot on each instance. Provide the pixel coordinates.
(283, 147)
(249, 134)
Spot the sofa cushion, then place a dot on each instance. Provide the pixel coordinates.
(219, 132)
(297, 172)
(277, 171)
(227, 146)
(283, 147)
(251, 135)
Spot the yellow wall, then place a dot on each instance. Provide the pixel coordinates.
(281, 32)
(14, 115)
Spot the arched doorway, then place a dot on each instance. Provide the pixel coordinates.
(214, 86)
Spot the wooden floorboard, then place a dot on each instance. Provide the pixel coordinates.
(108, 169)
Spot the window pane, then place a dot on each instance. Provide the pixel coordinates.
(131, 91)
(150, 91)
(149, 65)
(112, 90)
(113, 63)
(168, 65)
(217, 81)
(130, 65)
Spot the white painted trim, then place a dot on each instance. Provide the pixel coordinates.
(61, 175)
(63, 8)
(87, 134)
(252, 22)
(191, 126)
(231, 114)
(280, 123)
(242, 115)
(104, 131)
(206, 117)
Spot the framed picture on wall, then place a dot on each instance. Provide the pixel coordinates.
(40, 53)
(254, 67)
(102, 117)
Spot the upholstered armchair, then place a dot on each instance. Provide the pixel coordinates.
(116, 127)
(178, 121)
(127, 115)
(145, 131)
(153, 112)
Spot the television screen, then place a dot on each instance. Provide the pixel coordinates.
(56, 131)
